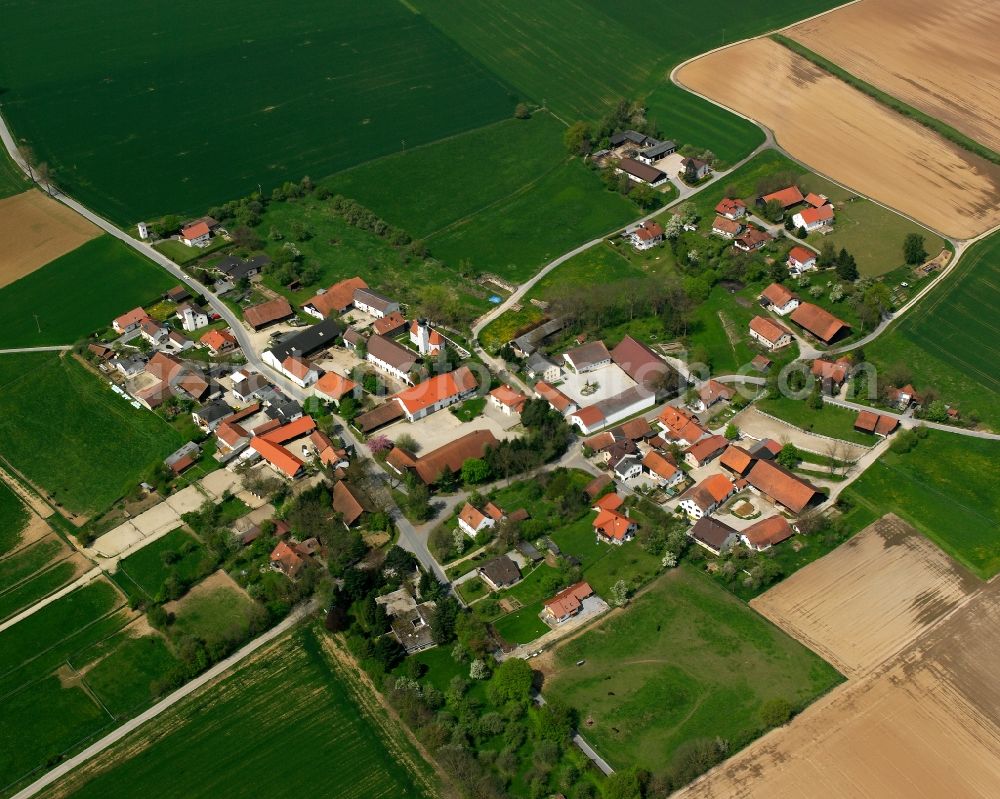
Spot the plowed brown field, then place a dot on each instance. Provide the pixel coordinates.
(851, 138)
(923, 723)
(941, 57)
(35, 229)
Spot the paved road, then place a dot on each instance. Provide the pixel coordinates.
(112, 738)
(909, 421)
(54, 348)
(684, 193)
(79, 582)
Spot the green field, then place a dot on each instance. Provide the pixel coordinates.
(12, 179)
(829, 421)
(37, 587)
(945, 488)
(949, 339)
(13, 518)
(145, 573)
(77, 294)
(686, 661)
(285, 724)
(123, 679)
(582, 57)
(503, 199)
(250, 94)
(66, 431)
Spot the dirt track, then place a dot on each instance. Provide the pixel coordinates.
(850, 137)
(942, 57)
(923, 724)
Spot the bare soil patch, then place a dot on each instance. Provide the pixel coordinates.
(846, 135)
(35, 229)
(939, 57)
(923, 724)
(869, 598)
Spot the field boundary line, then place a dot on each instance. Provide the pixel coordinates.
(133, 724)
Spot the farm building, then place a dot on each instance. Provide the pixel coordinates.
(818, 321)
(769, 333)
(657, 151)
(539, 367)
(587, 357)
(705, 451)
(640, 172)
(373, 303)
(266, 313)
(392, 358)
(332, 387)
(788, 197)
(335, 300)
(875, 423)
(781, 486)
(643, 365)
(436, 393)
(766, 533)
(613, 409)
(452, 455)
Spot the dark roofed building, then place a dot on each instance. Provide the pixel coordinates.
(500, 573)
(303, 342)
(258, 316)
(236, 268)
(713, 535)
(640, 172)
(378, 417)
(643, 365)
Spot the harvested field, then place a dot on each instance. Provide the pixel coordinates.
(925, 723)
(941, 57)
(870, 597)
(852, 138)
(35, 229)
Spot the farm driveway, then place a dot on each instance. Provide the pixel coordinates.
(755, 424)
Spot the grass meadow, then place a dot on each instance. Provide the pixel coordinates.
(78, 294)
(26, 593)
(12, 179)
(828, 421)
(251, 94)
(145, 573)
(686, 661)
(212, 612)
(66, 431)
(949, 339)
(14, 516)
(945, 488)
(284, 724)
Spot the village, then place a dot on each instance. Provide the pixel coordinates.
(348, 385)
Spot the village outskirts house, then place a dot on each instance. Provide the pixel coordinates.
(733, 209)
(191, 317)
(752, 239)
(472, 521)
(335, 300)
(694, 169)
(647, 235)
(813, 219)
(566, 604)
(373, 303)
(130, 321)
(726, 228)
(499, 573)
(800, 259)
(779, 299)
(714, 535)
(612, 527)
(197, 234)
